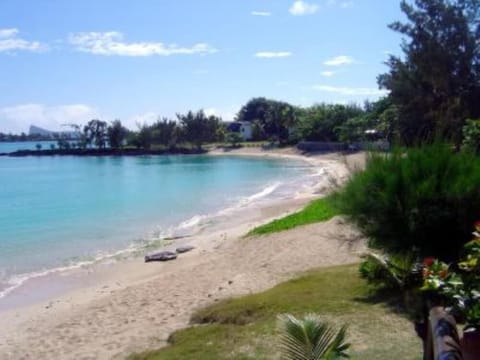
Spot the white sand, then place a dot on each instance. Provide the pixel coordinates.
(132, 306)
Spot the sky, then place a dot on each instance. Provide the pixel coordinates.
(69, 61)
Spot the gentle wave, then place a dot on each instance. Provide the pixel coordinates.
(192, 224)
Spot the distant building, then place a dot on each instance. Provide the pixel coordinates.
(242, 127)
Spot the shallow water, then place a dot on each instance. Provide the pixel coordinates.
(60, 211)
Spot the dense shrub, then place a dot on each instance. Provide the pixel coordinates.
(422, 200)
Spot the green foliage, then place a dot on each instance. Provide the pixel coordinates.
(199, 128)
(420, 201)
(336, 293)
(95, 132)
(397, 272)
(234, 138)
(471, 136)
(309, 338)
(273, 118)
(322, 122)
(460, 283)
(318, 210)
(144, 136)
(436, 86)
(166, 132)
(116, 134)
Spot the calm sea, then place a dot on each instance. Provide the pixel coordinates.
(8, 147)
(59, 211)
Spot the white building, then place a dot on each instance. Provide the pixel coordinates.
(242, 127)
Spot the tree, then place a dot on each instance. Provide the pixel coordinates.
(234, 138)
(116, 134)
(166, 132)
(437, 84)
(275, 118)
(96, 133)
(199, 128)
(471, 136)
(144, 136)
(311, 339)
(322, 122)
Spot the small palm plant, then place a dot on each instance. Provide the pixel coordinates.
(311, 339)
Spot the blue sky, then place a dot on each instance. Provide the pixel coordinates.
(64, 61)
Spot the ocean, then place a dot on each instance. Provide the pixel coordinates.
(61, 212)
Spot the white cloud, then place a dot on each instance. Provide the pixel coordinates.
(10, 42)
(8, 33)
(261, 13)
(350, 91)
(273, 54)
(112, 43)
(300, 8)
(147, 118)
(328, 73)
(340, 60)
(17, 119)
(225, 114)
(346, 4)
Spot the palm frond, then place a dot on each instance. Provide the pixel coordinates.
(311, 339)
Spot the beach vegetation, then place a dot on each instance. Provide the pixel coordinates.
(166, 132)
(198, 128)
(322, 122)
(95, 133)
(316, 211)
(247, 327)
(310, 338)
(435, 85)
(144, 137)
(117, 134)
(391, 273)
(471, 136)
(234, 139)
(418, 201)
(271, 118)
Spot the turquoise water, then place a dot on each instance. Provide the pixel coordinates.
(55, 211)
(8, 147)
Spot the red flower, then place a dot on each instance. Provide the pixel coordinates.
(429, 261)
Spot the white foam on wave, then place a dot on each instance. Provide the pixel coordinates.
(15, 281)
(192, 224)
(193, 221)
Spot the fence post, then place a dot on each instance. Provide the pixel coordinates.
(443, 342)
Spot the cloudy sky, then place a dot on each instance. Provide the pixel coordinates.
(68, 61)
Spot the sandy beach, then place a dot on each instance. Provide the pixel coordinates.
(112, 310)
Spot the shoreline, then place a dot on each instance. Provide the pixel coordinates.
(108, 293)
(153, 239)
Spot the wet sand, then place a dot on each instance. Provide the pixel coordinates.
(111, 310)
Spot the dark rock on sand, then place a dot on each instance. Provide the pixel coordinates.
(161, 256)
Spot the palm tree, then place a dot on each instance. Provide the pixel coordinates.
(311, 339)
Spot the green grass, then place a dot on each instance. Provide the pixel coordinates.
(318, 210)
(246, 327)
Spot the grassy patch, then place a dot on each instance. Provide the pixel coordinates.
(318, 210)
(246, 327)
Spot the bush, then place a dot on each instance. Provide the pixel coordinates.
(420, 201)
(471, 136)
(398, 272)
